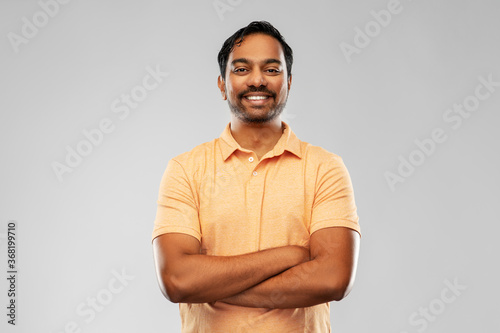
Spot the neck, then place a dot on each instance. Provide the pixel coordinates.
(259, 138)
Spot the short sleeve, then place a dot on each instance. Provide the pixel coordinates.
(177, 211)
(334, 204)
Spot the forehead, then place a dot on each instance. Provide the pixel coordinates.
(258, 47)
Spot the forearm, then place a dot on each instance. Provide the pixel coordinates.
(304, 285)
(202, 278)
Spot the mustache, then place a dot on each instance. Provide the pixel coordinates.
(260, 89)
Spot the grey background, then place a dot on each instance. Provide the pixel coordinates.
(438, 225)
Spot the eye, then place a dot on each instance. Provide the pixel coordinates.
(239, 70)
(273, 70)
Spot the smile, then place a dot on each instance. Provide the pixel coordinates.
(256, 98)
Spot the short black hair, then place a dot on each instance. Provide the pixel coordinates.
(255, 27)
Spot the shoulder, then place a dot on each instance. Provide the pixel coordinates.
(198, 156)
(322, 164)
(318, 155)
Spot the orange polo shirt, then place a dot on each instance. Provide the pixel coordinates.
(222, 195)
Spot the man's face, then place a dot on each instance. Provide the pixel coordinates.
(256, 85)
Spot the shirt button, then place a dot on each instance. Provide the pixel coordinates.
(254, 173)
(250, 159)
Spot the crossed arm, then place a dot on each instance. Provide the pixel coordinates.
(283, 277)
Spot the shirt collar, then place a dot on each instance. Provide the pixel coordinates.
(288, 142)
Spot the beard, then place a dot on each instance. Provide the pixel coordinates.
(241, 112)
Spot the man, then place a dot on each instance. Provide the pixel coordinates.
(256, 231)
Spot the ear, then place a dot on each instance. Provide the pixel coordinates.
(289, 82)
(222, 87)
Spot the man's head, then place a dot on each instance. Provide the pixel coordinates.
(255, 65)
(255, 27)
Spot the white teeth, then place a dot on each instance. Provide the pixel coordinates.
(255, 98)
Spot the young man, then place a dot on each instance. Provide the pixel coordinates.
(256, 231)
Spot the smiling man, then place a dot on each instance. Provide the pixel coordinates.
(256, 231)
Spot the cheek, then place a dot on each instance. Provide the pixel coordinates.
(283, 91)
(231, 89)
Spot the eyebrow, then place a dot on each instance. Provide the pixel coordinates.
(265, 62)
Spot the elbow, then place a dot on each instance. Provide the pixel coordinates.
(338, 290)
(172, 289)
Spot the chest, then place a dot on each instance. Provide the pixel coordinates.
(250, 207)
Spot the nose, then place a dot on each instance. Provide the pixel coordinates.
(257, 79)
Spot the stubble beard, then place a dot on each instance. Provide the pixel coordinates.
(241, 112)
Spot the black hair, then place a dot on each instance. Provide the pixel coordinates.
(254, 27)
